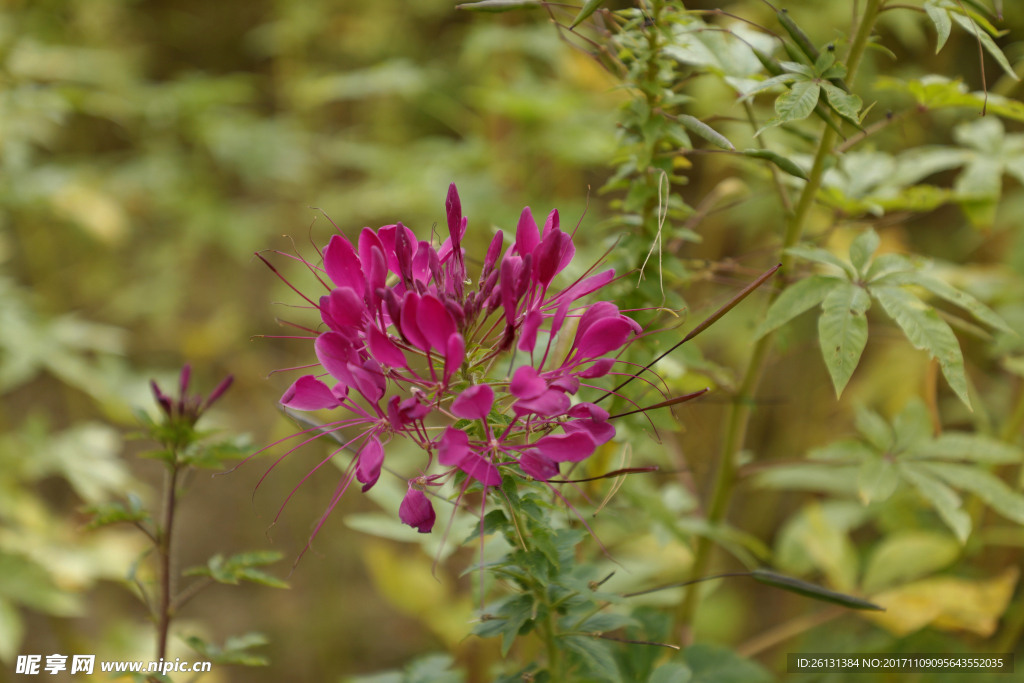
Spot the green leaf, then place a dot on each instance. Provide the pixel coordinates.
(843, 331)
(951, 294)
(845, 450)
(986, 40)
(494, 521)
(671, 673)
(913, 426)
(595, 655)
(863, 248)
(769, 83)
(698, 127)
(811, 590)
(944, 499)
(498, 5)
(838, 481)
(796, 299)
(819, 255)
(985, 485)
(972, 447)
(846, 105)
(876, 480)
(718, 664)
(875, 429)
(517, 612)
(782, 162)
(927, 331)
(887, 264)
(106, 514)
(589, 7)
(234, 650)
(943, 24)
(241, 567)
(908, 555)
(602, 622)
(797, 103)
(825, 61)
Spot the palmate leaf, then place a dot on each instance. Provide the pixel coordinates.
(908, 555)
(796, 299)
(927, 331)
(877, 480)
(845, 104)
(863, 248)
(819, 255)
(944, 499)
(969, 447)
(843, 331)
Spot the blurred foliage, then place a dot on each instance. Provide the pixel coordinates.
(148, 148)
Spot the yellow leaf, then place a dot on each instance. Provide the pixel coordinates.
(946, 603)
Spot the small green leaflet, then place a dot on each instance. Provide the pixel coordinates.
(843, 331)
(793, 105)
(589, 7)
(943, 24)
(926, 331)
(794, 300)
(944, 499)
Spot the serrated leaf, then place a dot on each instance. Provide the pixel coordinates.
(985, 485)
(908, 555)
(886, 265)
(494, 521)
(782, 162)
(876, 480)
(595, 654)
(769, 83)
(698, 127)
(796, 299)
(797, 103)
(819, 255)
(516, 612)
(843, 103)
(843, 331)
(944, 499)
(943, 24)
(927, 331)
(953, 295)
(602, 622)
(863, 248)
(811, 590)
(845, 450)
(986, 40)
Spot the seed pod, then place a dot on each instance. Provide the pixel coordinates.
(782, 162)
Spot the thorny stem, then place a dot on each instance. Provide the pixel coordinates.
(164, 550)
(739, 413)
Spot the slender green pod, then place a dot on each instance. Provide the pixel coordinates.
(782, 162)
(698, 127)
(589, 7)
(495, 6)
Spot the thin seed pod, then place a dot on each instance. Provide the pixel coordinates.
(782, 162)
(495, 6)
(589, 7)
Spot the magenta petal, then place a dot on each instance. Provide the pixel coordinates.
(411, 409)
(309, 393)
(369, 380)
(527, 235)
(335, 352)
(342, 264)
(453, 207)
(591, 410)
(388, 236)
(528, 336)
(435, 322)
(570, 384)
(600, 432)
(474, 403)
(597, 311)
(548, 257)
(453, 447)
(526, 383)
(367, 241)
(416, 511)
(409, 324)
(421, 262)
(383, 349)
(591, 284)
(537, 465)
(509, 271)
(603, 336)
(480, 469)
(598, 369)
(493, 251)
(549, 404)
(559, 319)
(550, 223)
(455, 355)
(371, 457)
(567, 448)
(346, 307)
(568, 252)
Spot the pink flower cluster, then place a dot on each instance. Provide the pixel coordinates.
(408, 348)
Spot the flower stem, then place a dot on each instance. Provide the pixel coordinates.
(164, 556)
(739, 412)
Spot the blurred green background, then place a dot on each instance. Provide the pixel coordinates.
(148, 148)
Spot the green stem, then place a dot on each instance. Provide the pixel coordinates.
(739, 412)
(550, 634)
